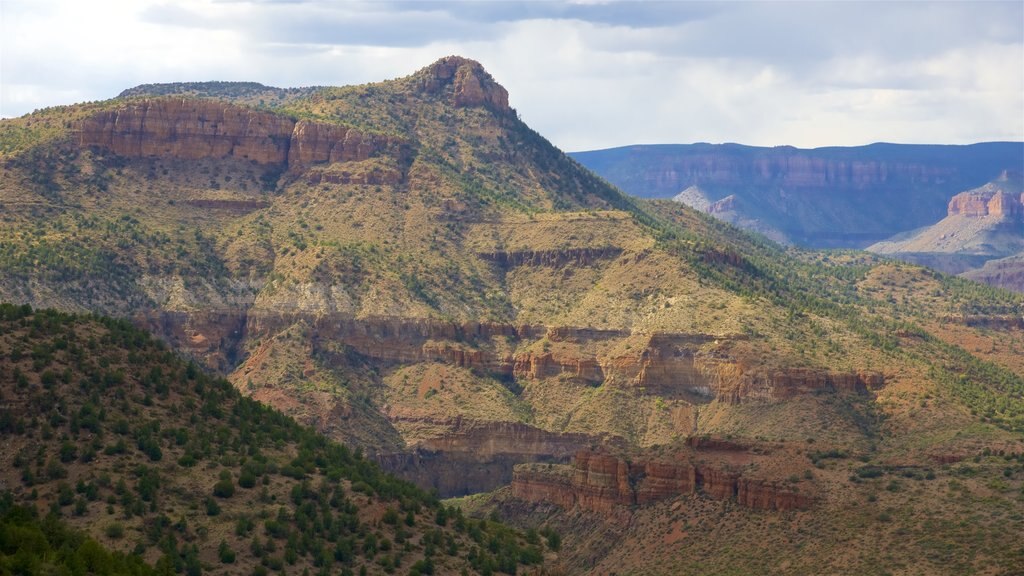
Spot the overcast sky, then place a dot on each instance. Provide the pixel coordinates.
(585, 74)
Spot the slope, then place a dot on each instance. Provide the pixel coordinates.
(407, 267)
(108, 430)
(982, 224)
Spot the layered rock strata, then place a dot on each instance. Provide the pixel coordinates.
(600, 482)
(479, 456)
(668, 364)
(192, 129)
(464, 82)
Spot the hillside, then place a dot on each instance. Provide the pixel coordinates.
(407, 268)
(824, 197)
(109, 431)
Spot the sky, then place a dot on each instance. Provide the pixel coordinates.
(585, 74)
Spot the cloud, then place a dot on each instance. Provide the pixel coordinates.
(584, 74)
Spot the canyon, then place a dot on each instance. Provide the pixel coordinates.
(407, 268)
(823, 197)
(462, 455)
(981, 225)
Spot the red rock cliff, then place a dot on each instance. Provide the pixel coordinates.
(189, 129)
(1001, 198)
(465, 82)
(193, 129)
(600, 482)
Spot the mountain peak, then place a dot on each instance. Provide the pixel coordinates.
(465, 82)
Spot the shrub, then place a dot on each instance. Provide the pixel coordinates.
(225, 487)
(114, 530)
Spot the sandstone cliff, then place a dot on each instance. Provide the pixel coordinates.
(667, 363)
(195, 129)
(464, 82)
(981, 224)
(1000, 198)
(824, 197)
(601, 482)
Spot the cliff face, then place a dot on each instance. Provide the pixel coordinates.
(192, 129)
(465, 83)
(791, 168)
(982, 225)
(189, 129)
(313, 142)
(825, 197)
(986, 201)
(668, 363)
(480, 456)
(601, 482)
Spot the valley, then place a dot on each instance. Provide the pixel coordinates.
(412, 272)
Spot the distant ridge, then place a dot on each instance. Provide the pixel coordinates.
(823, 197)
(252, 93)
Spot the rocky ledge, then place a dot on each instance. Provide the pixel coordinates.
(464, 82)
(194, 129)
(670, 364)
(601, 482)
(1001, 198)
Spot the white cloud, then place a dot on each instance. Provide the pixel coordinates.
(586, 75)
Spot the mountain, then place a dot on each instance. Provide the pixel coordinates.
(107, 431)
(409, 269)
(822, 197)
(1005, 273)
(986, 223)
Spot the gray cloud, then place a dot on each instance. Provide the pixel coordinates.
(585, 74)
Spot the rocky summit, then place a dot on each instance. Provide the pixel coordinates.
(408, 269)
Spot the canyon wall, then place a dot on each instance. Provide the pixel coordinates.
(601, 482)
(823, 197)
(980, 203)
(668, 364)
(193, 129)
(480, 456)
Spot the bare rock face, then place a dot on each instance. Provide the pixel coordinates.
(999, 198)
(189, 129)
(313, 142)
(466, 82)
(667, 363)
(727, 204)
(601, 482)
(783, 384)
(480, 456)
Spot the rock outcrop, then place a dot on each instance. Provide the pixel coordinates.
(189, 129)
(983, 225)
(669, 364)
(824, 197)
(465, 82)
(314, 142)
(727, 204)
(194, 129)
(601, 482)
(1005, 273)
(774, 385)
(987, 201)
(480, 456)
